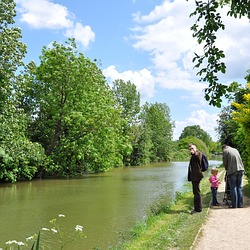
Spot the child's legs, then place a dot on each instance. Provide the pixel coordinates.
(214, 196)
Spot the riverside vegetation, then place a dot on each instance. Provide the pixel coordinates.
(52, 237)
(170, 226)
(62, 118)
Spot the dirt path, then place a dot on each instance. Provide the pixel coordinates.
(225, 228)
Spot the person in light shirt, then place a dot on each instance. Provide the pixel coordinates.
(235, 170)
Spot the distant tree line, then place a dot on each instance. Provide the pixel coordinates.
(61, 118)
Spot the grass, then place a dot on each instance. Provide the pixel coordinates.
(170, 226)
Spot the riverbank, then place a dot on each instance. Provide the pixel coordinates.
(171, 227)
(175, 228)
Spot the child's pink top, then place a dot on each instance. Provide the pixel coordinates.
(214, 181)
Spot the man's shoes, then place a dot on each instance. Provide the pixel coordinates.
(217, 204)
(194, 212)
(231, 206)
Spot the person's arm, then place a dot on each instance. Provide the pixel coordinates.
(224, 160)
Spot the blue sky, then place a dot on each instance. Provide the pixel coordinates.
(148, 42)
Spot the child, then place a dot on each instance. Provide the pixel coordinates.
(214, 185)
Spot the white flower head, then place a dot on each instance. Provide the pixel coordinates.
(78, 228)
(29, 238)
(20, 243)
(54, 230)
(9, 242)
(61, 215)
(45, 229)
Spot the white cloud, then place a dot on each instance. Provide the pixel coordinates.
(200, 117)
(45, 14)
(165, 33)
(143, 80)
(83, 34)
(234, 41)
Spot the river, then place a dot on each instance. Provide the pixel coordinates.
(106, 204)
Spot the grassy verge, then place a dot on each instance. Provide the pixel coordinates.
(170, 226)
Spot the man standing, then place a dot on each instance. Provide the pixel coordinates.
(235, 169)
(195, 175)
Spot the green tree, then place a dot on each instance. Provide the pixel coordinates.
(128, 100)
(233, 126)
(158, 129)
(227, 127)
(242, 117)
(19, 157)
(183, 144)
(142, 145)
(74, 115)
(12, 50)
(196, 131)
(215, 148)
(230, 130)
(207, 25)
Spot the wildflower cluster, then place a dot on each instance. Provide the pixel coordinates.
(55, 230)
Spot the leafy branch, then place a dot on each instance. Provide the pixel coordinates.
(210, 63)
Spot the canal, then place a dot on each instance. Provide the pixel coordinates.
(105, 204)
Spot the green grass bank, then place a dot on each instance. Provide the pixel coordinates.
(170, 226)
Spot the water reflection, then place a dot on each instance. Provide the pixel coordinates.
(105, 204)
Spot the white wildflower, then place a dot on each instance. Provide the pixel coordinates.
(61, 215)
(10, 242)
(45, 229)
(29, 238)
(54, 230)
(20, 243)
(78, 228)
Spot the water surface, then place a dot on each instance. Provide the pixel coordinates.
(104, 204)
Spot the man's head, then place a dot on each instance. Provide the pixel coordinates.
(192, 148)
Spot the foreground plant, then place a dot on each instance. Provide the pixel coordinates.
(48, 237)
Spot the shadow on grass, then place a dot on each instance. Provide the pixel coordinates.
(246, 190)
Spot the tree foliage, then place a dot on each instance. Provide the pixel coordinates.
(233, 123)
(20, 158)
(158, 126)
(61, 118)
(128, 100)
(196, 131)
(227, 128)
(242, 117)
(205, 28)
(12, 50)
(74, 115)
(201, 146)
